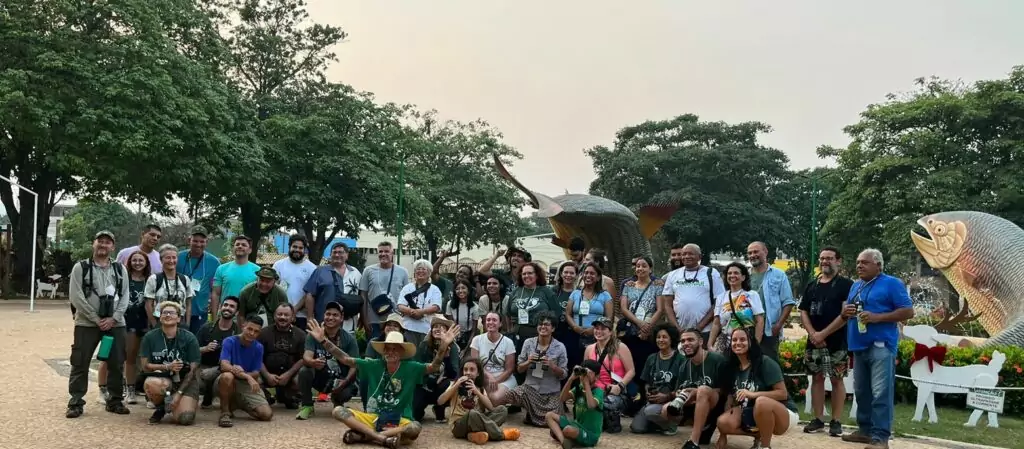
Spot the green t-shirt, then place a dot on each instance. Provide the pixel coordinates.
(662, 375)
(591, 419)
(756, 282)
(390, 393)
(343, 340)
(707, 373)
(524, 306)
(767, 376)
(255, 303)
(159, 350)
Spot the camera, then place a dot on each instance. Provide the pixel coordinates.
(463, 390)
(539, 354)
(675, 408)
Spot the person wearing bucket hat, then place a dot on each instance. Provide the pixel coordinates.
(387, 420)
(261, 297)
(515, 257)
(436, 383)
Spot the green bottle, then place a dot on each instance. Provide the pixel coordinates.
(106, 344)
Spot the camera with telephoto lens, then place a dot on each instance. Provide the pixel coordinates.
(540, 354)
(675, 408)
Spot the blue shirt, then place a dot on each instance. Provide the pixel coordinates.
(324, 283)
(883, 294)
(232, 278)
(776, 293)
(250, 358)
(597, 305)
(200, 271)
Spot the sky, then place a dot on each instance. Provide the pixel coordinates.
(558, 77)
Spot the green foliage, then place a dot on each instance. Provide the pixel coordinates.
(724, 180)
(943, 147)
(1012, 375)
(91, 216)
(796, 200)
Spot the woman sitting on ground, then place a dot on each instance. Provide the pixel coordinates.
(543, 361)
(498, 355)
(759, 405)
(473, 417)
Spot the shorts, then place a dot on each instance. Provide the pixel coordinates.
(833, 364)
(586, 438)
(243, 398)
(135, 321)
(370, 419)
(794, 418)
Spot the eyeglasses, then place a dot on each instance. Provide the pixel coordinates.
(169, 313)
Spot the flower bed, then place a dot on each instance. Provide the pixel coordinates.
(791, 356)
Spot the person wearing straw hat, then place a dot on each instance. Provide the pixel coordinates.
(436, 383)
(387, 420)
(393, 323)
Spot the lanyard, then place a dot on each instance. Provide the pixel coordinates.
(200, 260)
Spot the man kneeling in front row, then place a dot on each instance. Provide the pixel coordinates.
(238, 386)
(387, 420)
(170, 358)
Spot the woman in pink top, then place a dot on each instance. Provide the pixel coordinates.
(616, 371)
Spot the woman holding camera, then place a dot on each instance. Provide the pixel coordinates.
(543, 361)
(436, 382)
(738, 307)
(616, 371)
(759, 405)
(661, 380)
(473, 416)
(418, 301)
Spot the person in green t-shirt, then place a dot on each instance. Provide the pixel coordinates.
(392, 382)
(169, 357)
(759, 398)
(661, 379)
(701, 381)
(588, 409)
(261, 297)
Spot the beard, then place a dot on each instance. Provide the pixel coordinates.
(296, 256)
(828, 269)
(675, 263)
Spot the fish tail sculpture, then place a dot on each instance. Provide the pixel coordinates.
(979, 254)
(600, 222)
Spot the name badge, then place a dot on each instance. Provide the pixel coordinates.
(584, 307)
(524, 316)
(196, 284)
(538, 372)
(641, 313)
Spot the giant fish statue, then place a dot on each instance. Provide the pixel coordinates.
(980, 255)
(600, 222)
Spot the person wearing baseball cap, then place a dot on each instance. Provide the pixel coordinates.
(617, 370)
(200, 266)
(261, 297)
(323, 370)
(588, 408)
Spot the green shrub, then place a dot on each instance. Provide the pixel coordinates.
(791, 356)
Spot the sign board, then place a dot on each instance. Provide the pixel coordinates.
(986, 399)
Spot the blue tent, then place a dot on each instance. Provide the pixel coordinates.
(281, 242)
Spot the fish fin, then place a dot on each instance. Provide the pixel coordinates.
(559, 242)
(508, 177)
(546, 207)
(970, 278)
(653, 217)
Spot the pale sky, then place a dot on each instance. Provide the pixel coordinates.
(557, 77)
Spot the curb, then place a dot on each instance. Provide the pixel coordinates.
(939, 441)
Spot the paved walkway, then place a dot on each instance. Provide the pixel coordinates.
(35, 350)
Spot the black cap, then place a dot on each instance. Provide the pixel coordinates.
(336, 306)
(591, 365)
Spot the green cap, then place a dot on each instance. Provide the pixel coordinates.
(267, 273)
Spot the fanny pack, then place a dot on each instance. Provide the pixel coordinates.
(387, 420)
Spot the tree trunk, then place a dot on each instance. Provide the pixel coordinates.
(26, 240)
(317, 240)
(252, 226)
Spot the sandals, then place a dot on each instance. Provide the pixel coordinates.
(352, 437)
(225, 420)
(390, 443)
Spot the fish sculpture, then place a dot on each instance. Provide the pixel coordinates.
(600, 222)
(979, 254)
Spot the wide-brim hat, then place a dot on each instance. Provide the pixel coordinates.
(393, 318)
(395, 338)
(440, 319)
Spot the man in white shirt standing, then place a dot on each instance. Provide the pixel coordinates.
(294, 271)
(691, 289)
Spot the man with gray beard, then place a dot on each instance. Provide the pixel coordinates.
(772, 284)
(821, 311)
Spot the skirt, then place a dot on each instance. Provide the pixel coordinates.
(535, 404)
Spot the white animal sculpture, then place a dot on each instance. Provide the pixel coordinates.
(981, 376)
(42, 287)
(847, 382)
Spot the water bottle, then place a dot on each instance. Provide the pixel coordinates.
(106, 344)
(862, 327)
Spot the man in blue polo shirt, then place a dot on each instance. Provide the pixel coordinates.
(200, 266)
(877, 303)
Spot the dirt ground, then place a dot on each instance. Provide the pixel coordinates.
(32, 404)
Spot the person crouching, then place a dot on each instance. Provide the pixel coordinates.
(588, 408)
(170, 361)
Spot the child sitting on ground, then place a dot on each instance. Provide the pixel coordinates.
(472, 415)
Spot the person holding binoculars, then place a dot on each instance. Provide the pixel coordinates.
(473, 416)
(544, 362)
(588, 408)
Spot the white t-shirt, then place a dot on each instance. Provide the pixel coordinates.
(467, 317)
(171, 290)
(495, 364)
(431, 298)
(293, 278)
(485, 306)
(690, 292)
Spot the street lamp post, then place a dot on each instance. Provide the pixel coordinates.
(399, 226)
(35, 244)
(814, 228)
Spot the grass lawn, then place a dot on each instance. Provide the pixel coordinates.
(950, 426)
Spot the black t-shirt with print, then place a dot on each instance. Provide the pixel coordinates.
(662, 375)
(823, 302)
(212, 332)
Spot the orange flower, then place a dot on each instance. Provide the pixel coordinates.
(787, 354)
(984, 359)
(803, 392)
(1018, 369)
(787, 365)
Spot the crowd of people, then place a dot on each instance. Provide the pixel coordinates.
(699, 346)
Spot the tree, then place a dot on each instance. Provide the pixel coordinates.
(795, 197)
(944, 146)
(273, 47)
(91, 216)
(339, 143)
(469, 203)
(92, 92)
(721, 176)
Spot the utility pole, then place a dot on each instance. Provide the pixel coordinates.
(401, 206)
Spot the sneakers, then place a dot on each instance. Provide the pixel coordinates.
(478, 437)
(104, 394)
(835, 428)
(150, 404)
(690, 445)
(158, 415)
(511, 434)
(670, 431)
(857, 437)
(74, 411)
(129, 396)
(304, 413)
(816, 425)
(117, 408)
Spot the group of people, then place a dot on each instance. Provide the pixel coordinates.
(486, 345)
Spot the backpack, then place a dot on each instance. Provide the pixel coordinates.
(87, 278)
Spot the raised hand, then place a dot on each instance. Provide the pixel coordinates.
(450, 334)
(314, 330)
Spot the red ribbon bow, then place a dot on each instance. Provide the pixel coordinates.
(933, 354)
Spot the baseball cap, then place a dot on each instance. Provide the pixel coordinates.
(602, 321)
(107, 234)
(198, 230)
(267, 273)
(336, 306)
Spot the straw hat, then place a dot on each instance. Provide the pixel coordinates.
(393, 318)
(395, 338)
(440, 319)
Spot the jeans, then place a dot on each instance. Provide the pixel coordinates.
(874, 383)
(770, 347)
(310, 378)
(85, 341)
(649, 419)
(198, 320)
